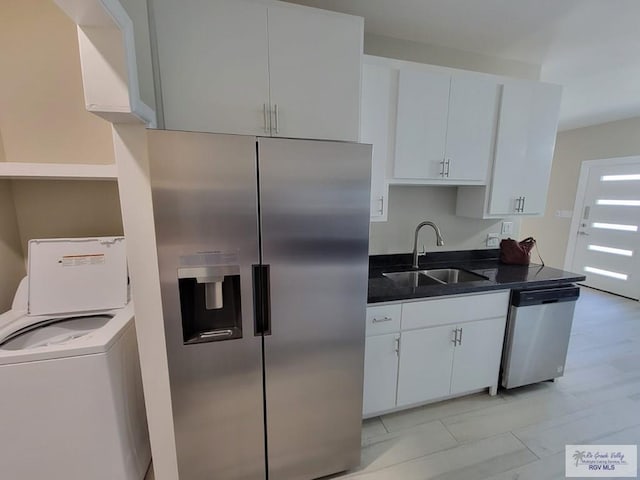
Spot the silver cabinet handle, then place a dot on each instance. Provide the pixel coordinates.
(277, 113)
(457, 340)
(265, 112)
(381, 200)
(442, 167)
(383, 319)
(587, 210)
(396, 347)
(523, 200)
(520, 204)
(448, 167)
(583, 233)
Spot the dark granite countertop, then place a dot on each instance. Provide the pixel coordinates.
(483, 262)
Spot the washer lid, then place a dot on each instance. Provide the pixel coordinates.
(50, 331)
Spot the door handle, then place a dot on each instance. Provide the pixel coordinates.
(523, 200)
(448, 167)
(583, 233)
(460, 339)
(381, 200)
(265, 113)
(277, 115)
(396, 346)
(442, 167)
(261, 300)
(455, 336)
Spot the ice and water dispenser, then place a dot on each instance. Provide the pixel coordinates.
(210, 302)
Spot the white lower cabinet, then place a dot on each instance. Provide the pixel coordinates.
(440, 348)
(425, 364)
(476, 361)
(380, 372)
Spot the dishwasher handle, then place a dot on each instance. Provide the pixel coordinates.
(525, 298)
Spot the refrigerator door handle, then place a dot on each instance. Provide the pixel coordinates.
(261, 300)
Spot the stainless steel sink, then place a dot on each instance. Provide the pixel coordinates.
(412, 279)
(437, 276)
(453, 275)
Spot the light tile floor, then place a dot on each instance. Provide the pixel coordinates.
(520, 434)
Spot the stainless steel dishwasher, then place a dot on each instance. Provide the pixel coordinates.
(537, 336)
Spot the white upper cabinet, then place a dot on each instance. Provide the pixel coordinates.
(375, 128)
(470, 128)
(524, 149)
(315, 67)
(214, 65)
(525, 143)
(259, 68)
(445, 127)
(421, 126)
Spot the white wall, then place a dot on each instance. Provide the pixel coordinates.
(448, 57)
(409, 206)
(43, 120)
(72, 208)
(43, 116)
(608, 140)
(12, 267)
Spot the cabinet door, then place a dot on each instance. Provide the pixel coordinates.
(470, 128)
(423, 102)
(315, 67)
(543, 127)
(524, 148)
(476, 360)
(511, 148)
(213, 62)
(380, 373)
(374, 129)
(426, 357)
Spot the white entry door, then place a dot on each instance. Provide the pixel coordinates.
(607, 237)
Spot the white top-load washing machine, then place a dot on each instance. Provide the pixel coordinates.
(71, 401)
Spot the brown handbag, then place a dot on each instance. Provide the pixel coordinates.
(517, 253)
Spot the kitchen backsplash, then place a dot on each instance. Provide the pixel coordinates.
(410, 205)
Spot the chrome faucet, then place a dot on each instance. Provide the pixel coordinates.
(439, 241)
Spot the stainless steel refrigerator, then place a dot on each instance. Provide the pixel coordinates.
(263, 257)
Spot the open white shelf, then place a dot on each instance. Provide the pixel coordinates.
(57, 171)
(108, 61)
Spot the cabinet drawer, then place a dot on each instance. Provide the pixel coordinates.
(383, 319)
(444, 311)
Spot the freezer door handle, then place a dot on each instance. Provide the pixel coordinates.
(261, 300)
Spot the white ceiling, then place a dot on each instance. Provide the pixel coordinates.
(592, 47)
